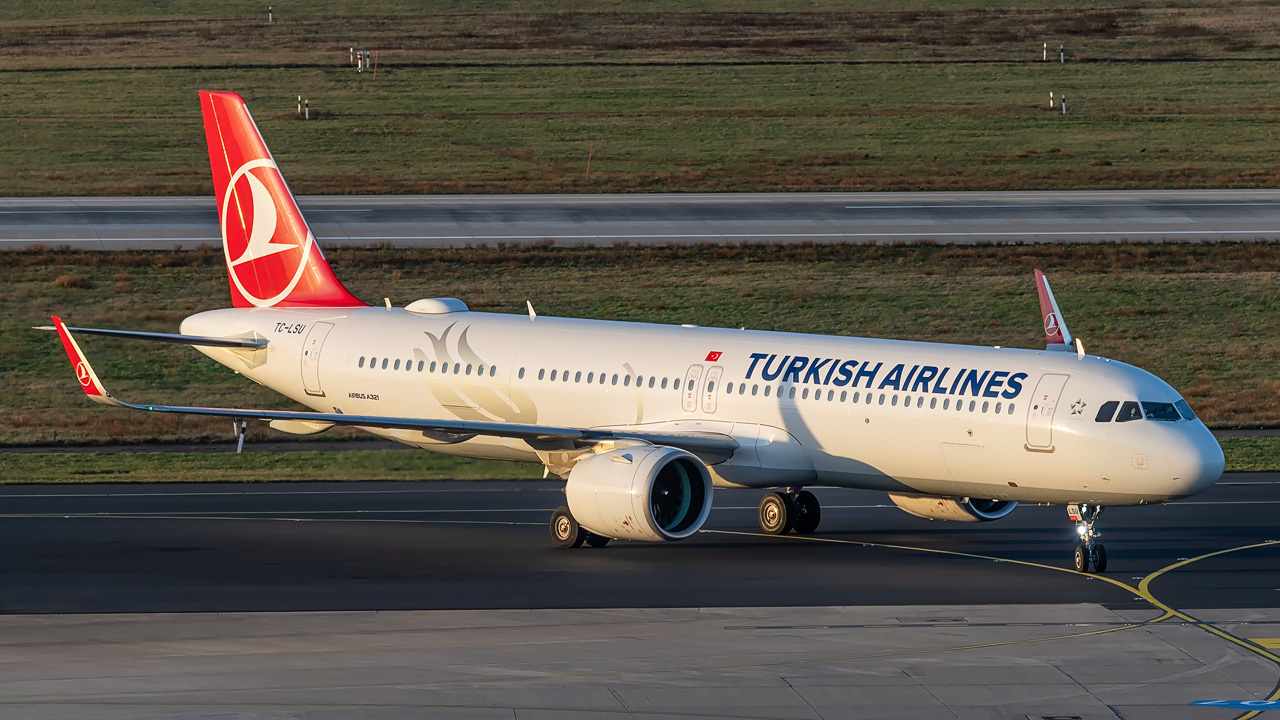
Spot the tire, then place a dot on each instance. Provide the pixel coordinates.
(1099, 558)
(1082, 559)
(808, 513)
(597, 541)
(777, 513)
(565, 531)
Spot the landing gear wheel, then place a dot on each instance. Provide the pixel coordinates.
(777, 513)
(808, 512)
(565, 531)
(1099, 558)
(1082, 559)
(597, 541)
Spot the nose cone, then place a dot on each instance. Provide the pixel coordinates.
(1196, 461)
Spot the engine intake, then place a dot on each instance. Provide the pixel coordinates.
(650, 492)
(959, 509)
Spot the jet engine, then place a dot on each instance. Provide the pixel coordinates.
(645, 492)
(960, 509)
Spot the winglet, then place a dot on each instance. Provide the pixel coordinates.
(1056, 334)
(80, 364)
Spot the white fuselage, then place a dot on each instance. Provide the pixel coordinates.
(906, 417)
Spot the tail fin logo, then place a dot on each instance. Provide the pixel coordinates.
(83, 375)
(266, 246)
(1051, 325)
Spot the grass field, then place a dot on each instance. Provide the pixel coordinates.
(99, 97)
(1200, 316)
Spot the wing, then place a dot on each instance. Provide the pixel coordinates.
(713, 447)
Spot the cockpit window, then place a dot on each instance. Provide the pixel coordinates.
(1160, 411)
(1129, 411)
(1107, 411)
(1185, 409)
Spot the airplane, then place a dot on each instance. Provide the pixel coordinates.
(643, 420)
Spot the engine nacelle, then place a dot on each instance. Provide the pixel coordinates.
(959, 509)
(647, 492)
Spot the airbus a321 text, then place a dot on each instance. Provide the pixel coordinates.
(644, 420)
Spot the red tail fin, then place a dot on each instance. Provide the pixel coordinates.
(272, 257)
(1056, 334)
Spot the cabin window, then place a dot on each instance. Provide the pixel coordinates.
(1107, 411)
(591, 377)
(639, 380)
(432, 368)
(1185, 409)
(998, 408)
(541, 373)
(728, 388)
(711, 387)
(972, 405)
(553, 375)
(831, 394)
(664, 383)
(805, 395)
(985, 405)
(626, 382)
(920, 401)
(792, 395)
(384, 363)
(946, 404)
(493, 369)
(615, 378)
(933, 403)
(480, 370)
(906, 402)
(893, 402)
(676, 384)
(881, 398)
(767, 390)
(651, 379)
(843, 394)
(1129, 411)
(856, 396)
(456, 368)
(468, 368)
(754, 388)
(361, 364)
(421, 365)
(577, 377)
(519, 375)
(1160, 411)
(1010, 408)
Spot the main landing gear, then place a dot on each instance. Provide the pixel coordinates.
(1088, 552)
(567, 533)
(790, 511)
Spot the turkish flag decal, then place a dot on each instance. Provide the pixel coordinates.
(713, 356)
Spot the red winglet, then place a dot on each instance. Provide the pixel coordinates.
(272, 257)
(89, 381)
(1056, 334)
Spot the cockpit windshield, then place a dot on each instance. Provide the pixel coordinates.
(1160, 411)
(1131, 410)
(1185, 409)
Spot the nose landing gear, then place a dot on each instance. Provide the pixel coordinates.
(1088, 552)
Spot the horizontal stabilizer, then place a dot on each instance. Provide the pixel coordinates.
(201, 340)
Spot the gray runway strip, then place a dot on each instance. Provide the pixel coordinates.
(445, 600)
(660, 219)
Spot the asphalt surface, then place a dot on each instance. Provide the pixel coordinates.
(485, 545)
(660, 219)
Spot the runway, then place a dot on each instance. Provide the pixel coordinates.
(445, 600)
(660, 219)
(437, 546)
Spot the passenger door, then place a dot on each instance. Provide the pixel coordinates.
(311, 357)
(709, 393)
(1044, 401)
